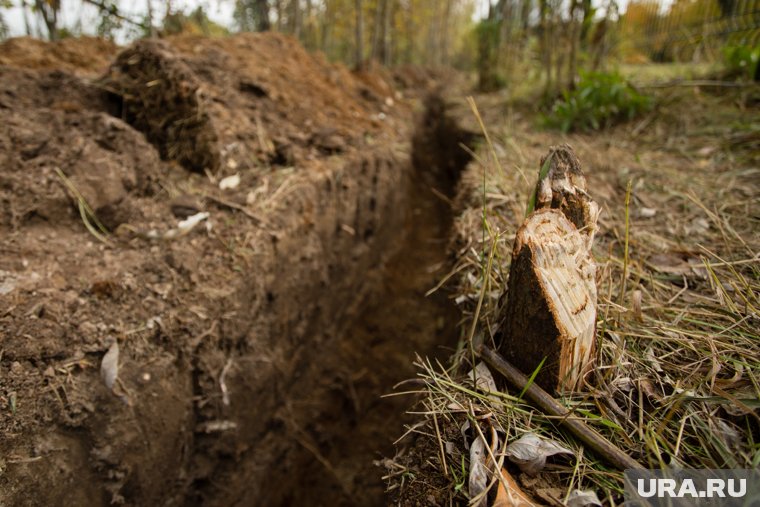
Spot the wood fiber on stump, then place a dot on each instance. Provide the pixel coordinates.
(161, 96)
(550, 313)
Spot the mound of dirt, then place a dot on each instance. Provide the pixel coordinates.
(238, 103)
(81, 56)
(55, 122)
(413, 77)
(247, 353)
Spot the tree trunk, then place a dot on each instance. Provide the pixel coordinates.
(376, 28)
(409, 49)
(600, 43)
(527, 7)
(433, 35)
(151, 27)
(27, 24)
(546, 53)
(327, 25)
(488, 51)
(359, 57)
(550, 314)
(505, 50)
(279, 11)
(575, 35)
(587, 23)
(387, 19)
(445, 32)
(308, 27)
(262, 16)
(295, 23)
(49, 13)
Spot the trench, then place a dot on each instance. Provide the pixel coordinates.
(327, 419)
(260, 374)
(324, 326)
(396, 322)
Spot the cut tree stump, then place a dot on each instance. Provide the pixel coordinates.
(550, 314)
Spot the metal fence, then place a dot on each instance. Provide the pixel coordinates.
(687, 29)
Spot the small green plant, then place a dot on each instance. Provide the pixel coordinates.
(600, 100)
(460, 476)
(742, 61)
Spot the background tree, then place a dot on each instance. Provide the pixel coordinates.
(4, 30)
(359, 57)
(487, 33)
(546, 43)
(252, 15)
(48, 11)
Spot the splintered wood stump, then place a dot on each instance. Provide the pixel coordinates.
(550, 314)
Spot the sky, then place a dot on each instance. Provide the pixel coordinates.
(75, 10)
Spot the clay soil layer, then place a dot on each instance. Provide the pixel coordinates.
(253, 349)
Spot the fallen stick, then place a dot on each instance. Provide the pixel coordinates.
(544, 401)
(232, 205)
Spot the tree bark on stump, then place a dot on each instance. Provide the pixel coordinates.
(550, 314)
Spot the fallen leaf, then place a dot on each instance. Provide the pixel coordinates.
(483, 379)
(729, 435)
(478, 471)
(190, 222)
(455, 406)
(706, 151)
(109, 366)
(581, 498)
(698, 267)
(215, 426)
(678, 264)
(8, 282)
(652, 360)
(669, 263)
(624, 384)
(229, 182)
(699, 225)
(463, 429)
(530, 452)
(509, 493)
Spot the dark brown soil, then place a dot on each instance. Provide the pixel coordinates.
(253, 351)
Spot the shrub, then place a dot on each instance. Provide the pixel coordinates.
(600, 100)
(742, 61)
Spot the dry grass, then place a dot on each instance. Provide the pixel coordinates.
(677, 379)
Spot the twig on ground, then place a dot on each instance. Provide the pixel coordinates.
(232, 205)
(600, 445)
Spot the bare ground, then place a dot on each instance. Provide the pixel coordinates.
(254, 348)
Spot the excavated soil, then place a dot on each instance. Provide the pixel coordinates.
(253, 349)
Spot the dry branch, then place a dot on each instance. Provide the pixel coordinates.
(544, 401)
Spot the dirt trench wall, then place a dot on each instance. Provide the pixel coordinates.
(227, 335)
(286, 373)
(271, 334)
